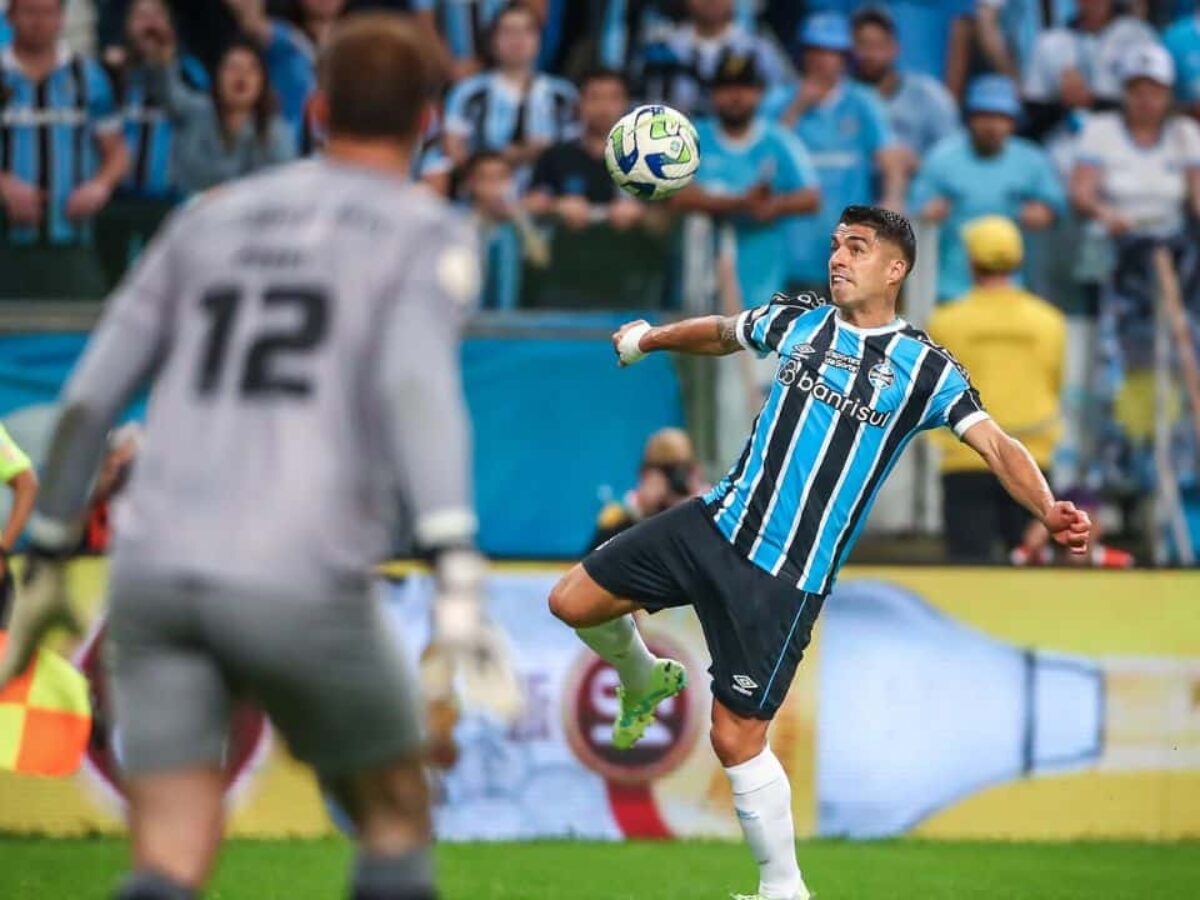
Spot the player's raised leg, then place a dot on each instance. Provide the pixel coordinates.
(762, 797)
(605, 623)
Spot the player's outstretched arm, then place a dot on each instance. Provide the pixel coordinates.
(704, 336)
(1021, 477)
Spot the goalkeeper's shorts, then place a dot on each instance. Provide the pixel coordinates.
(324, 665)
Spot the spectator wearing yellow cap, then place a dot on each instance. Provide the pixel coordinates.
(669, 475)
(1014, 345)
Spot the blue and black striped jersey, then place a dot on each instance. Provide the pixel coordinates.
(148, 130)
(844, 404)
(47, 136)
(491, 113)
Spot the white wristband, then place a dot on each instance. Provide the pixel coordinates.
(628, 349)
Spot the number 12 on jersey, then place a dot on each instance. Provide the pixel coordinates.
(259, 375)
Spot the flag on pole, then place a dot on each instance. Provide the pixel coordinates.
(45, 717)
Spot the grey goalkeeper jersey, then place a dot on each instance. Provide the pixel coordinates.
(301, 329)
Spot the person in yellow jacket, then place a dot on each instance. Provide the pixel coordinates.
(17, 473)
(1014, 345)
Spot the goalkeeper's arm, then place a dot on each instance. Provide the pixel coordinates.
(704, 336)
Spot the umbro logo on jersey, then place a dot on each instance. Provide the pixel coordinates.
(802, 351)
(744, 684)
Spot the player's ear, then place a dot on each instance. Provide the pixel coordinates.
(897, 270)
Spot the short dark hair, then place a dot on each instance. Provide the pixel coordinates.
(380, 75)
(874, 15)
(601, 73)
(888, 225)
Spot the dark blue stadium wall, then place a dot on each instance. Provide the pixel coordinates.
(557, 424)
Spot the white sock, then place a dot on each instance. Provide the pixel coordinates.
(619, 644)
(762, 797)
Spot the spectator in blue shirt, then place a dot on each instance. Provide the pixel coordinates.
(290, 48)
(150, 33)
(511, 109)
(983, 172)
(624, 25)
(491, 190)
(677, 62)
(934, 35)
(756, 176)
(1183, 40)
(920, 109)
(845, 129)
(61, 150)
(462, 29)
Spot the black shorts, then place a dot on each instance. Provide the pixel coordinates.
(756, 625)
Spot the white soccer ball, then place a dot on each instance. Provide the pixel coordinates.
(652, 152)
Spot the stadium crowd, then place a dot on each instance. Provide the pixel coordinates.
(1071, 119)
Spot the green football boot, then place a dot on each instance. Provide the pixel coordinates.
(667, 679)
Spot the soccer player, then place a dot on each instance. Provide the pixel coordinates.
(758, 554)
(301, 329)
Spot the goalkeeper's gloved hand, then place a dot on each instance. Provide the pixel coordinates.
(467, 658)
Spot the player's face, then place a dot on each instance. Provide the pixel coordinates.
(990, 132)
(515, 44)
(874, 52)
(1147, 102)
(36, 24)
(711, 12)
(823, 65)
(862, 268)
(602, 102)
(240, 79)
(736, 105)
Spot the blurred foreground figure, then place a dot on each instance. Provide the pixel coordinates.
(301, 329)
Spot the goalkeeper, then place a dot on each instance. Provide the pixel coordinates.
(301, 330)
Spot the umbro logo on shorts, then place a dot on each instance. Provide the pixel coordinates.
(744, 684)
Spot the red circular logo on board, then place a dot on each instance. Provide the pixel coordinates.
(590, 707)
(248, 734)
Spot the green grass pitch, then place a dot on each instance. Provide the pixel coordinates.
(892, 870)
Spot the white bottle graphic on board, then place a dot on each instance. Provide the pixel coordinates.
(918, 711)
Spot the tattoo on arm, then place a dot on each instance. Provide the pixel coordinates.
(727, 333)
